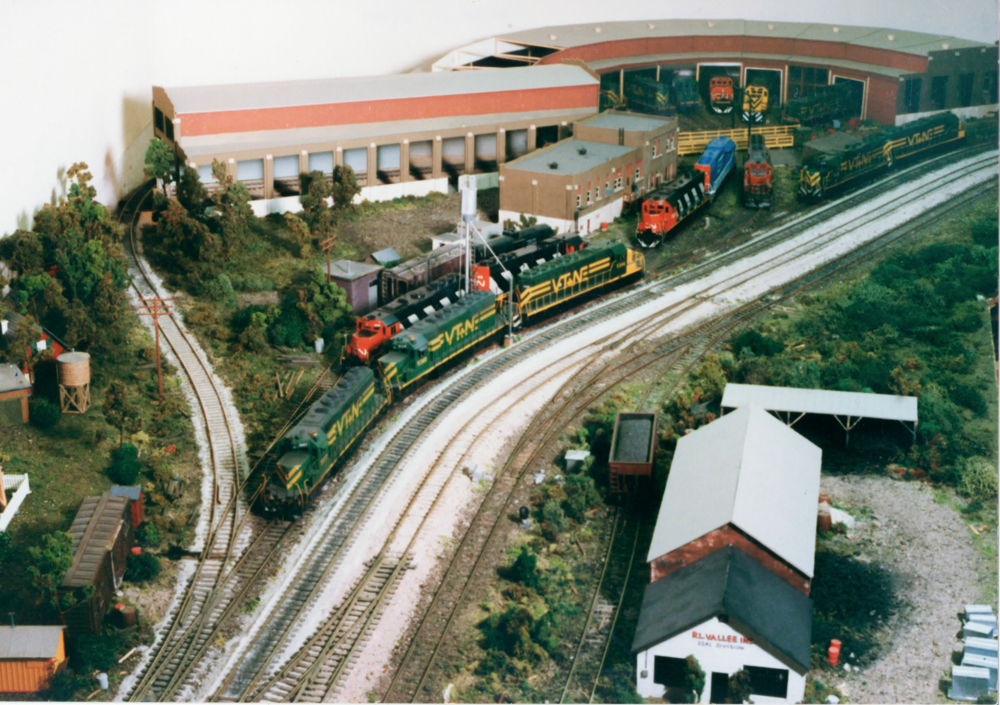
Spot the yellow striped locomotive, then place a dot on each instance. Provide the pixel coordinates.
(822, 174)
(309, 451)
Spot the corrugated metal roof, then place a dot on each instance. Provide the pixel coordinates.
(613, 120)
(756, 603)
(94, 530)
(567, 157)
(348, 270)
(386, 256)
(583, 34)
(283, 94)
(296, 138)
(749, 469)
(822, 401)
(132, 492)
(41, 642)
(12, 379)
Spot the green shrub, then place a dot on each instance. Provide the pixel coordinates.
(740, 687)
(220, 289)
(45, 414)
(7, 548)
(125, 465)
(694, 680)
(148, 535)
(64, 685)
(554, 516)
(979, 480)
(141, 568)
(581, 495)
(96, 652)
(967, 317)
(758, 344)
(523, 570)
(984, 232)
(969, 397)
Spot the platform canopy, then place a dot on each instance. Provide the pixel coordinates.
(848, 408)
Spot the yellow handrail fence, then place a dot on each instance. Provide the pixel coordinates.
(775, 136)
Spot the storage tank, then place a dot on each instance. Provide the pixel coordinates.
(74, 369)
(74, 382)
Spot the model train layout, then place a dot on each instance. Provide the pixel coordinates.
(758, 174)
(311, 449)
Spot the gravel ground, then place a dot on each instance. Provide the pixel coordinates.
(935, 566)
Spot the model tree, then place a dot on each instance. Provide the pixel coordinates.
(191, 193)
(232, 204)
(120, 411)
(740, 687)
(345, 187)
(159, 162)
(49, 562)
(694, 680)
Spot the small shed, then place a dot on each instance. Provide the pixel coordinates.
(359, 280)
(43, 340)
(134, 494)
(29, 657)
(387, 257)
(15, 388)
(102, 538)
(633, 445)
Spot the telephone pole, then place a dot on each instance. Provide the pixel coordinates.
(327, 246)
(157, 307)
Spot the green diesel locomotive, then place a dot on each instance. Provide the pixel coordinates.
(823, 173)
(308, 452)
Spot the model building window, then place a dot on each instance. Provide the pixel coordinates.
(770, 682)
(805, 80)
(618, 184)
(965, 89)
(158, 117)
(169, 131)
(589, 201)
(638, 175)
(577, 200)
(668, 671)
(911, 95)
(656, 149)
(990, 87)
(939, 92)
(321, 161)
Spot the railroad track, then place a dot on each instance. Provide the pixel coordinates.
(402, 687)
(255, 667)
(237, 547)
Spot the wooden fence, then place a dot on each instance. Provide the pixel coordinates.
(775, 136)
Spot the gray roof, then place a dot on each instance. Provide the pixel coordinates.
(131, 491)
(728, 583)
(821, 401)
(295, 138)
(747, 469)
(96, 527)
(348, 270)
(12, 379)
(614, 120)
(386, 256)
(878, 37)
(29, 642)
(568, 158)
(358, 89)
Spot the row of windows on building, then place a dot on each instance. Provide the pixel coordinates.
(618, 186)
(939, 91)
(387, 157)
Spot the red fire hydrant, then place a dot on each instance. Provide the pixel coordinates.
(833, 654)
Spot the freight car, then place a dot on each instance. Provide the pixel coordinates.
(824, 173)
(670, 203)
(757, 174)
(310, 449)
(826, 103)
(375, 328)
(648, 96)
(755, 103)
(720, 94)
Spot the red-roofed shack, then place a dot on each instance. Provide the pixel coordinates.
(14, 392)
(102, 537)
(29, 657)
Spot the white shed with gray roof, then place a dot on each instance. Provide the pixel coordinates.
(749, 470)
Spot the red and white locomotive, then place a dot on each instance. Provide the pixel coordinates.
(758, 174)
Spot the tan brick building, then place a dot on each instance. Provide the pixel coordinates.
(580, 183)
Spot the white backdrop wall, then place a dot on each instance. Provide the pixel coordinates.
(77, 78)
